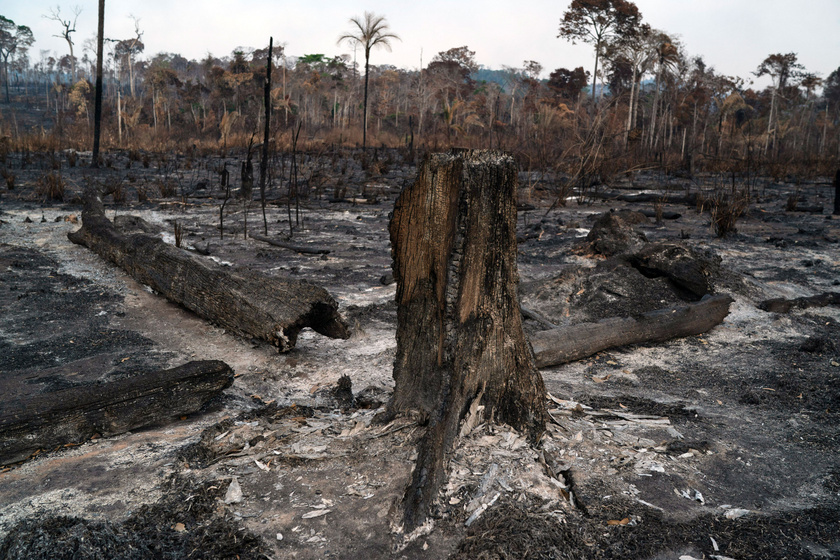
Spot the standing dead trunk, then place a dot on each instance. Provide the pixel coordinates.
(266, 133)
(837, 193)
(459, 329)
(97, 103)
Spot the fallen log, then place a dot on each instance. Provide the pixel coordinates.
(782, 305)
(74, 414)
(296, 247)
(672, 198)
(246, 302)
(667, 215)
(567, 344)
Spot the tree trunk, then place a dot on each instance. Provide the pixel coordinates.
(97, 111)
(266, 133)
(567, 344)
(364, 111)
(244, 301)
(459, 328)
(69, 415)
(837, 193)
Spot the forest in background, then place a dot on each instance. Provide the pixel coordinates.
(650, 105)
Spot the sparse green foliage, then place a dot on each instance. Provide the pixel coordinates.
(598, 22)
(370, 32)
(13, 38)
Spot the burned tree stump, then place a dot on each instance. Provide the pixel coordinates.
(459, 328)
(46, 420)
(244, 301)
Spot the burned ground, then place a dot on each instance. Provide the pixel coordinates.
(745, 416)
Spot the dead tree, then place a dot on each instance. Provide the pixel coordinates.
(266, 132)
(244, 301)
(837, 193)
(459, 328)
(46, 420)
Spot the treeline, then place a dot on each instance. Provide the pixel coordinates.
(649, 104)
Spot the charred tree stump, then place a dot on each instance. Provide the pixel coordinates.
(74, 414)
(459, 327)
(567, 344)
(244, 301)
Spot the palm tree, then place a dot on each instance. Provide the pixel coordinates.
(370, 31)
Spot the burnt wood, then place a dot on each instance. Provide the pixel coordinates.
(567, 344)
(459, 326)
(296, 247)
(50, 419)
(782, 305)
(247, 302)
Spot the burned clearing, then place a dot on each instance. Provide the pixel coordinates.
(723, 443)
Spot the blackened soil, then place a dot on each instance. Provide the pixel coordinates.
(517, 531)
(56, 329)
(185, 523)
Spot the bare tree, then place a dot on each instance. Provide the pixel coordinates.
(597, 22)
(370, 32)
(69, 26)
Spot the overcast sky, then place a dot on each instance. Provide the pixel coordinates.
(734, 36)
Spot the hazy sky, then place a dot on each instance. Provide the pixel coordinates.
(734, 36)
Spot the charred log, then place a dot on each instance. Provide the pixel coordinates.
(244, 301)
(567, 344)
(782, 305)
(296, 247)
(74, 414)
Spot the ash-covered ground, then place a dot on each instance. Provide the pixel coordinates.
(718, 445)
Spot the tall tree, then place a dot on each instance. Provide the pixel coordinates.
(634, 52)
(598, 22)
(782, 68)
(12, 38)
(128, 49)
(69, 27)
(370, 32)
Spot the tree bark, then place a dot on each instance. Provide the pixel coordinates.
(837, 193)
(266, 132)
(459, 327)
(74, 414)
(567, 344)
(244, 301)
(97, 104)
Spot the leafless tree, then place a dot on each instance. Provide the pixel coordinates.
(69, 27)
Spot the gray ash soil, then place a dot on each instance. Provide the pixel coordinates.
(747, 414)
